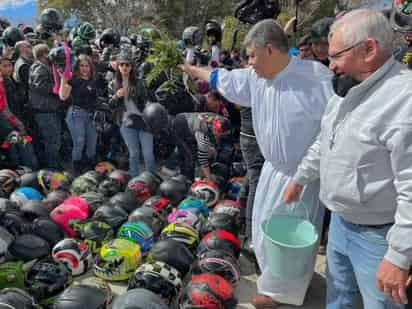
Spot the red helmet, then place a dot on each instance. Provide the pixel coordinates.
(205, 190)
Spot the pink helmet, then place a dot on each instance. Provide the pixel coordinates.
(64, 214)
(78, 202)
(186, 216)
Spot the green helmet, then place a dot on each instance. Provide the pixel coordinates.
(149, 33)
(86, 31)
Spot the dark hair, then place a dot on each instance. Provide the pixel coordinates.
(118, 79)
(76, 70)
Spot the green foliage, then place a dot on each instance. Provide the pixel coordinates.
(231, 25)
(165, 57)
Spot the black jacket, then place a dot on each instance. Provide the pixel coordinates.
(41, 96)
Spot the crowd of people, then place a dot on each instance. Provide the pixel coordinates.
(324, 125)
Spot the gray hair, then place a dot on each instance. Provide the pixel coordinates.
(267, 31)
(40, 50)
(359, 25)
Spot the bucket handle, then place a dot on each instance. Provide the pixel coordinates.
(298, 203)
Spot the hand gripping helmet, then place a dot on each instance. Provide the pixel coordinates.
(139, 233)
(158, 277)
(401, 16)
(13, 298)
(192, 36)
(220, 263)
(206, 191)
(94, 233)
(229, 207)
(117, 261)
(214, 30)
(48, 230)
(121, 177)
(150, 217)
(221, 221)
(12, 35)
(195, 205)
(104, 168)
(46, 279)
(173, 253)
(9, 180)
(109, 187)
(253, 11)
(112, 215)
(82, 296)
(207, 291)
(175, 191)
(159, 204)
(183, 233)
(156, 117)
(188, 217)
(50, 181)
(220, 240)
(24, 194)
(93, 199)
(51, 20)
(75, 254)
(125, 200)
(86, 31)
(138, 299)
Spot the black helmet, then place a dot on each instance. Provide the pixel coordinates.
(47, 278)
(94, 199)
(320, 29)
(28, 247)
(148, 216)
(82, 296)
(221, 221)
(12, 35)
(156, 117)
(253, 11)
(138, 299)
(401, 16)
(125, 200)
(51, 20)
(30, 180)
(13, 298)
(220, 240)
(14, 222)
(48, 230)
(32, 209)
(192, 36)
(109, 187)
(4, 23)
(174, 253)
(213, 29)
(86, 31)
(94, 233)
(57, 56)
(7, 206)
(151, 180)
(120, 176)
(112, 215)
(110, 37)
(175, 191)
(55, 198)
(159, 204)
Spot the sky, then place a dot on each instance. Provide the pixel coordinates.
(19, 11)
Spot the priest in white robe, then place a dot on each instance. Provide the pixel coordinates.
(287, 96)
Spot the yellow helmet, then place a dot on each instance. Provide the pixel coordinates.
(181, 232)
(118, 260)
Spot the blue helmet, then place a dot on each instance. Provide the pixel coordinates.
(191, 203)
(23, 194)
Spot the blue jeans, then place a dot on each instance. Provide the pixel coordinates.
(134, 138)
(82, 131)
(50, 129)
(353, 256)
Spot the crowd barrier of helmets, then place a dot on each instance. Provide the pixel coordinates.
(174, 243)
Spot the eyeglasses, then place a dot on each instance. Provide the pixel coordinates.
(125, 64)
(340, 53)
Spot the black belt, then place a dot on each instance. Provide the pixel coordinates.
(376, 226)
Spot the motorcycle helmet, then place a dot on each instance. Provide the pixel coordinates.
(86, 31)
(93, 199)
(15, 223)
(125, 200)
(233, 188)
(140, 190)
(150, 217)
(104, 168)
(229, 207)
(122, 177)
(207, 291)
(221, 221)
(320, 29)
(194, 205)
(51, 181)
(220, 240)
(57, 56)
(214, 31)
(85, 183)
(9, 181)
(206, 191)
(28, 247)
(46, 279)
(158, 277)
(139, 233)
(400, 18)
(7, 205)
(114, 216)
(13, 298)
(149, 33)
(156, 117)
(183, 233)
(174, 190)
(48, 230)
(192, 36)
(188, 217)
(55, 198)
(159, 204)
(109, 37)
(75, 254)
(109, 187)
(34, 209)
(24, 194)
(11, 275)
(253, 11)
(138, 299)
(117, 261)
(4, 23)
(173, 253)
(82, 296)
(12, 35)
(152, 180)
(64, 214)
(30, 180)
(220, 263)
(51, 20)
(6, 238)
(93, 232)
